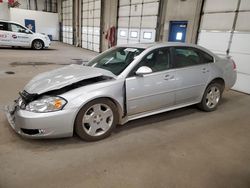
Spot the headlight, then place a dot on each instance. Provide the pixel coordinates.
(46, 37)
(46, 104)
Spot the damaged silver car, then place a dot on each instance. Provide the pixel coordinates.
(122, 84)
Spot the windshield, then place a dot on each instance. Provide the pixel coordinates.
(115, 60)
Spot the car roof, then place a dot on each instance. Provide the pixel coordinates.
(8, 21)
(157, 45)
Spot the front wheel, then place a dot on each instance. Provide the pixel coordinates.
(37, 45)
(96, 120)
(211, 97)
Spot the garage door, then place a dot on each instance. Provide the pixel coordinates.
(91, 13)
(137, 21)
(67, 21)
(240, 47)
(225, 29)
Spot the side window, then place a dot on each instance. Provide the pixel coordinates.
(158, 60)
(3, 26)
(184, 57)
(16, 28)
(206, 58)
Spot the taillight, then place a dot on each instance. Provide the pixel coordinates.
(234, 65)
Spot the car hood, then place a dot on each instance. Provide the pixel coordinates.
(39, 35)
(62, 77)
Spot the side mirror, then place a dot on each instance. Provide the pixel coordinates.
(27, 31)
(143, 70)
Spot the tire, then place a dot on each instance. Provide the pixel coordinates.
(211, 97)
(96, 120)
(37, 45)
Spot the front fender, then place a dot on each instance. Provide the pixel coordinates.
(79, 97)
(45, 42)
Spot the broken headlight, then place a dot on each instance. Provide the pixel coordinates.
(46, 104)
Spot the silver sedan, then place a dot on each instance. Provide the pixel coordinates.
(122, 84)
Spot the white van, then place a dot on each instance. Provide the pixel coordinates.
(14, 34)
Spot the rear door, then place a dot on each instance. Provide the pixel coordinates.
(19, 36)
(152, 91)
(192, 73)
(5, 39)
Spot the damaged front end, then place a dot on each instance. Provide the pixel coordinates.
(40, 110)
(28, 115)
(27, 98)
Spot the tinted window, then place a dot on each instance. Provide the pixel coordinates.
(206, 58)
(184, 57)
(3, 26)
(116, 60)
(187, 56)
(16, 28)
(158, 60)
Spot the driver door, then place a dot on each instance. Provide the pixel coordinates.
(19, 36)
(153, 91)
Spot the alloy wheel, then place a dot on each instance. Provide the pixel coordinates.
(38, 45)
(98, 119)
(213, 97)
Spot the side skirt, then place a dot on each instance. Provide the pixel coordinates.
(150, 113)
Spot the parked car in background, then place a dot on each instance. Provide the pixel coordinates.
(124, 83)
(14, 34)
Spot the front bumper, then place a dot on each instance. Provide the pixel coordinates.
(47, 43)
(40, 125)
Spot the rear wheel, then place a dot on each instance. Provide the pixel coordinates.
(211, 97)
(37, 44)
(96, 120)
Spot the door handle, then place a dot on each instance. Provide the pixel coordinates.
(168, 77)
(205, 70)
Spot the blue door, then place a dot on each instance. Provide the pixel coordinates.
(177, 31)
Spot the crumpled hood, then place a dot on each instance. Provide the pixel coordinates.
(59, 78)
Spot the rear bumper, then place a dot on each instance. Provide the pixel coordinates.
(40, 125)
(231, 80)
